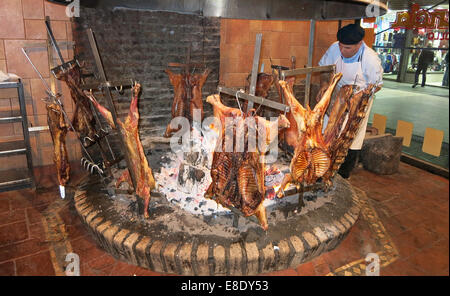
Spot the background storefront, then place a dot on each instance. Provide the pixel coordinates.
(422, 108)
(393, 44)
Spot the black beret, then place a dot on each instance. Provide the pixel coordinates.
(350, 34)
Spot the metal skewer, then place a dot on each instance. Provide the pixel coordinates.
(57, 101)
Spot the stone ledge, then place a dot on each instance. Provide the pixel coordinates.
(309, 237)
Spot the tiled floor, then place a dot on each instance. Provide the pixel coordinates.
(412, 205)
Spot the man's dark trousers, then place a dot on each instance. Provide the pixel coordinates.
(421, 68)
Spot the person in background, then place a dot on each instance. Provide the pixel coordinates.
(426, 57)
(359, 65)
(445, 79)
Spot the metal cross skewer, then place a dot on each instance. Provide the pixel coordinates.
(54, 97)
(57, 101)
(63, 63)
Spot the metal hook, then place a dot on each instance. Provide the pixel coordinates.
(260, 105)
(237, 99)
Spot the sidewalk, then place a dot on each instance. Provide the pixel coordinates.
(423, 106)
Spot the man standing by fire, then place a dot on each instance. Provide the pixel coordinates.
(359, 65)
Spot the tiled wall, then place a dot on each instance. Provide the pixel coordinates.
(280, 41)
(22, 25)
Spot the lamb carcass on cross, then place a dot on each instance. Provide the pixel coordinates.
(238, 176)
(319, 155)
(139, 164)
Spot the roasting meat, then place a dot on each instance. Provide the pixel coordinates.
(83, 120)
(180, 103)
(102, 110)
(238, 176)
(183, 84)
(58, 130)
(263, 83)
(311, 156)
(139, 164)
(220, 112)
(320, 155)
(196, 82)
(341, 139)
(336, 117)
(290, 135)
(238, 181)
(272, 128)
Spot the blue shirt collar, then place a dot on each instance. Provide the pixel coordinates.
(356, 57)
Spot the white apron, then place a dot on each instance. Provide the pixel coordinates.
(352, 74)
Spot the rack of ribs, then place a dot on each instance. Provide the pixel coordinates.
(312, 157)
(341, 137)
(139, 164)
(58, 130)
(238, 177)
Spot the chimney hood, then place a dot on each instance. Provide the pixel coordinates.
(254, 9)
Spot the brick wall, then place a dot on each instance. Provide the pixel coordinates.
(139, 44)
(22, 24)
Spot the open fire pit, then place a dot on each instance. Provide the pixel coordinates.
(221, 212)
(190, 235)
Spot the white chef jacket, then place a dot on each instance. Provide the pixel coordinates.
(365, 70)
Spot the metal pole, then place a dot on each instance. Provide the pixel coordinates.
(52, 38)
(254, 76)
(312, 29)
(109, 100)
(404, 57)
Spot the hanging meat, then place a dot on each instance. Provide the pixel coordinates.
(186, 86)
(83, 120)
(311, 156)
(180, 103)
(220, 111)
(196, 82)
(263, 83)
(290, 135)
(319, 155)
(238, 177)
(340, 139)
(139, 164)
(336, 117)
(238, 181)
(58, 130)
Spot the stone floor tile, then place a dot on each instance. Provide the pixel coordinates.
(7, 268)
(306, 269)
(38, 264)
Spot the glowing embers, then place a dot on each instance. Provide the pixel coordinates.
(185, 177)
